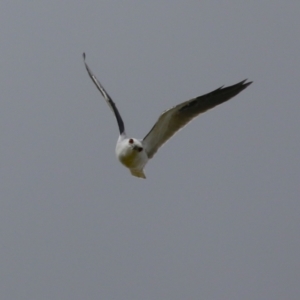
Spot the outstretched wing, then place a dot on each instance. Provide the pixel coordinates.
(178, 116)
(105, 95)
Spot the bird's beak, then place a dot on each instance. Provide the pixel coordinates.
(137, 148)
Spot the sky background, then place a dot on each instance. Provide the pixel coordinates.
(217, 216)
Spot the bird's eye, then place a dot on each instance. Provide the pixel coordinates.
(130, 141)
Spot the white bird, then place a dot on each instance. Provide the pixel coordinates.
(134, 153)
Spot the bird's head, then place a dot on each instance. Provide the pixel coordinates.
(135, 144)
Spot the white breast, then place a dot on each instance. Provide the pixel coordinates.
(129, 157)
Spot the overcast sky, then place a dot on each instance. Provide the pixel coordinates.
(217, 216)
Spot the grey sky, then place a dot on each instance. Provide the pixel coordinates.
(217, 216)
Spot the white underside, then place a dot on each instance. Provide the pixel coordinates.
(132, 159)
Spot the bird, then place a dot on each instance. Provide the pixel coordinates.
(135, 153)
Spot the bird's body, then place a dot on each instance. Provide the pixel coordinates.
(133, 153)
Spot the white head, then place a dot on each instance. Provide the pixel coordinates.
(135, 144)
(131, 154)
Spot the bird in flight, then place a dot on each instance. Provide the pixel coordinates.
(134, 153)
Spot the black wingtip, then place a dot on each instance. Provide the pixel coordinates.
(245, 84)
(83, 55)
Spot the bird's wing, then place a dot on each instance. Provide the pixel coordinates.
(107, 98)
(178, 116)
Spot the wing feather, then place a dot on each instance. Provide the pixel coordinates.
(107, 98)
(178, 116)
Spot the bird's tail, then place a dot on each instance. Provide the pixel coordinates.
(138, 173)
